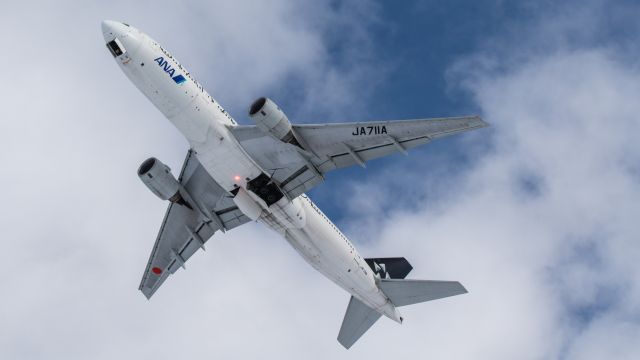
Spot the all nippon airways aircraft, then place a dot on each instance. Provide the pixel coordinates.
(234, 174)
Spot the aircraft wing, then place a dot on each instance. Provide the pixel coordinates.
(331, 146)
(185, 229)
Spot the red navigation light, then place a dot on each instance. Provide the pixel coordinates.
(156, 270)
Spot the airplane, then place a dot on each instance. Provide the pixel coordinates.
(234, 174)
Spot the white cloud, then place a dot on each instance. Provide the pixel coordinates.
(541, 228)
(78, 226)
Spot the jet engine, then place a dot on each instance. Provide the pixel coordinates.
(158, 178)
(272, 121)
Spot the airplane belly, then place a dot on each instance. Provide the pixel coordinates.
(226, 164)
(327, 250)
(192, 111)
(180, 101)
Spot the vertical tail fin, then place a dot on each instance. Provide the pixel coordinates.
(403, 292)
(390, 268)
(357, 320)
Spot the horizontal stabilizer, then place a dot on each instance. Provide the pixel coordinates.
(403, 292)
(357, 321)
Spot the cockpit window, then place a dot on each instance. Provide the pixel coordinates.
(115, 47)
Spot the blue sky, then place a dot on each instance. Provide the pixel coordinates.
(412, 50)
(536, 216)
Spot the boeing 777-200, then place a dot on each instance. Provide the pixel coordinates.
(234, 174)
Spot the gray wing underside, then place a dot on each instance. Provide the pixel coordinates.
(357, 320)
(333, 146)
(183, 230)
(404, 292)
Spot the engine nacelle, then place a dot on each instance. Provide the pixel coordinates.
(158, 178)
(272, 121)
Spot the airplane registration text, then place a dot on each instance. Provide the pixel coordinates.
(369, 130)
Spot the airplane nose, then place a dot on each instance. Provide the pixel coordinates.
(107, 25)
(113, 29)
(121, 37)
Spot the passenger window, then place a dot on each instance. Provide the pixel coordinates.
(115, 47)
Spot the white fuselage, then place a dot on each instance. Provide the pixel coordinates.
(205, 124)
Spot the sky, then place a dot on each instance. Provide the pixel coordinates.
(536, 215)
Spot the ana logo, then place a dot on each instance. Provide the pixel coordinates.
(164, 64)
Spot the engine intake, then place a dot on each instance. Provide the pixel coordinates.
(158, 178)
(272, 121)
